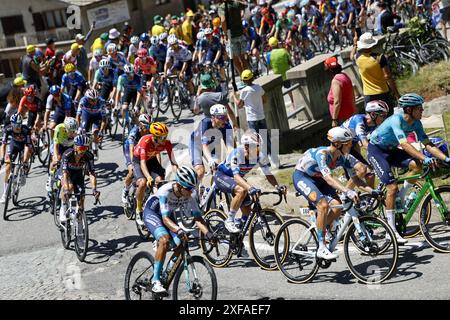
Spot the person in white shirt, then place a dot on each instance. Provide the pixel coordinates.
(94, 64)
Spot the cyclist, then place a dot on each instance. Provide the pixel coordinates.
(159, 52)
(130, 85)
(73, 82)
(198, 47)
(107, 78)
(145, 41)
(283, 27)
(267, 27)
(345, 16)
(61, 106)
(312, 178)
(208, 135)
(20, 141)
(160, 221)
(145, 67)
(364, 124)
(134, 136)
(211, 52)
(32, 105)
(92, 113)
(74, 162)
(133, 48)
(116, 58)
(383, 152)
(253, 40)
(229, 177)
(94, 64)
(147, 161)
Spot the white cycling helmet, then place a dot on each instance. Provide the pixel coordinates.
(200, 35)
(154, 40)
(128, 68)
(135, 40)
(251, 138)
(378, 106)
(208, 31)
(172, 39)
(218, 110)
(111, 48)
(70, 124)
(92, 94)
(145, 119)
(104, 63)
(163, 36)
(186, 177)
(339, 134)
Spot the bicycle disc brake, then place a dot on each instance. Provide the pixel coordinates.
(324, 264)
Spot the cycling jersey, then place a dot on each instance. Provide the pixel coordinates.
(267, 24)
(77, 80)
(394, 131)
(61, 137)
(133, 137)
(318, 162)
(235, 163)
(69, 164)
(310, 13)
(86, 107)
(285, 24)
(148, 67)
(358, 124)
(125, 84)
(118, 62)
(147, 148)
(110, 79)
(63, 107)
(344, 10)
(32, 105)
(22, 138)
(182, 55)
(213, 45)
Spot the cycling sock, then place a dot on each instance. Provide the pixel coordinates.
(94, 146)
(391, 218)
(402, 193)
(231, 215)
(320, 238)
(139, 205)
(157, 272)
(5, 186)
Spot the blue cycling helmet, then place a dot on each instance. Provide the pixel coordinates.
(410, 100)
(144, 37)
(81, 140)
(16, 119)
(38, 53)
(439, 143)
(55, 89)
(244, 23)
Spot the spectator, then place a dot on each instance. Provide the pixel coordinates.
(31, 70)
(378, 83)
(158, 28)
(444, 8)
(385, 19)
(71, 56)
(113, 37)
(124, 40)
(50, 51)
(13, 98)
(176, 28)
(341, 98)
(94, 64)
(187, 27)
(82, 59)
(99, 43)
(57, 68)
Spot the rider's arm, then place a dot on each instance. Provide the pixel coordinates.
(22, 109)
(166, 213)
(326, 173)
(435, 151)
(232, 116)
(171, 155)
(337, 98)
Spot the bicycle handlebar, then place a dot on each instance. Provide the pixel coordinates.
(280, 196)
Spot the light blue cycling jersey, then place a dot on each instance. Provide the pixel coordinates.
(169, 202)
(235, 163)
(317, 162)
(394, 130)
(358, 124)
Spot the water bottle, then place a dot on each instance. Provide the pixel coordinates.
(398, 205)
(410, 200)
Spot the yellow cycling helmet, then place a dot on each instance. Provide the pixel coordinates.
(216, 22)
(159, 129)
(31, 48)
(19, 82)
(69, 67)
(273, 42)
(247, 75)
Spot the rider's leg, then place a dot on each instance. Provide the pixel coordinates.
(141, 186)
(67, 189)
(239, 195)
(414, 168)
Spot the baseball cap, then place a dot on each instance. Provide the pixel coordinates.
(75, 46)
(207, 81)
(331, 63)
(79, 36)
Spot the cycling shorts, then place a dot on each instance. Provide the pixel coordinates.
(211, 55)
(227, 184)
(126, 153)
(304, 32)
(31, 119)
(13, 150)
(106, 89)
(76, 178)
(90, 120)
(154, 167)
(57, 117)
(179, 65)
(313, 189)
(129, 96)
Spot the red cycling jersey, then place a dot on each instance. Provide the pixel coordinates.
(147, 148)
(145, 68)
(32, 106)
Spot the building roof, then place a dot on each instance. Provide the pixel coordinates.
(80, 3)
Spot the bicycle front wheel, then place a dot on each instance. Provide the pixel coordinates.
(296, 245)
(176, 106)
(196, 281)
(435, 219)
(81, 235)
(263, 230)
(16, 187)
(138, 277)
(8, 195)
(43, 147)
(371, 251)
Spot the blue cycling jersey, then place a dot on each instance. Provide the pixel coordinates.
(119, 62)
(358, 124)
(213, 45)
(318, 162)
(77, 80)
(125, 84)
(206, 134)
(65, 106)
(235, 163)
(133, 137)
(110, 79)
(394, 130)
(158, 52)
(252, 35)
(86, 107)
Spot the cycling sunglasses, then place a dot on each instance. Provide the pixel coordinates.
(160, 139)
(221, 118)
(188, 188)
(83, 148)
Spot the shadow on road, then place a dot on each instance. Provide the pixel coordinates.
(107, 174)
(102, 252)
(104, 212)
(26, 209)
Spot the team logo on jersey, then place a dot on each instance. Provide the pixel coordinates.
(313, 196)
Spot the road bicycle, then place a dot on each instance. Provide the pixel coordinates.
(369, 244)
(76, 226)
(41, 147)
(192, 277)
(162, 96)
(16, 180)
(262, 226)
(179, 96)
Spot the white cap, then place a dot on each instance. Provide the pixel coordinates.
(113, 34)
(79, 37)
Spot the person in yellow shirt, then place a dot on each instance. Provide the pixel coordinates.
(158, 28)
(176, 28)
(187, 29)
(99, 43)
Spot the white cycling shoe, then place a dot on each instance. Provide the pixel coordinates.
(62, 214)
(231, 227)
(324, 253)
(399, 238)
(3, 198)
(139, 218)
(158, 288)
(124, 196)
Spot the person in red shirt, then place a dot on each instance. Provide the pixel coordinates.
(267, 27)
(147, 162)
(50, 51)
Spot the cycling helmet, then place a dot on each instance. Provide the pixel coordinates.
(218, 110)
(31, 49)
(104, 63)
(439, 143)
(208, 31)
(172, 39)
(16, 119)
(38, 53)
(70, 67)
(30, 91)
(273, 42)
(70, 124)
(144, 37)
(186, 177)
(247, 75)
(92, 94)
(128, 68)
(145, 119)
(135, 40)
(98, 52)
(244, 24)
(142, 53)
(339, 134)
(111, 48)
(159, 129)
(216, 22)
(251, 138)
(82, 140)
(19, 82)
(200, 35)
(163, 36)
(55, 89)
(410, 100)
(378, 106)
(154, 40)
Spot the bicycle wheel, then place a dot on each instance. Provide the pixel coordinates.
(176, 106)
(56, 203)
(163, 98)
(198, 282)
(128, 208)
(373, 257)
(66, 233)
(16, 186)
(115, 126)
(262, 233)
(43, 147)
(143, 231)
(220, 254)
(296, 245)
(138, 277)
(434, 224)
(81, 235)
(8, 195)
(432, 53)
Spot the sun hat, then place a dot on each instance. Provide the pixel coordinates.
(367, 41)
(114, 34)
